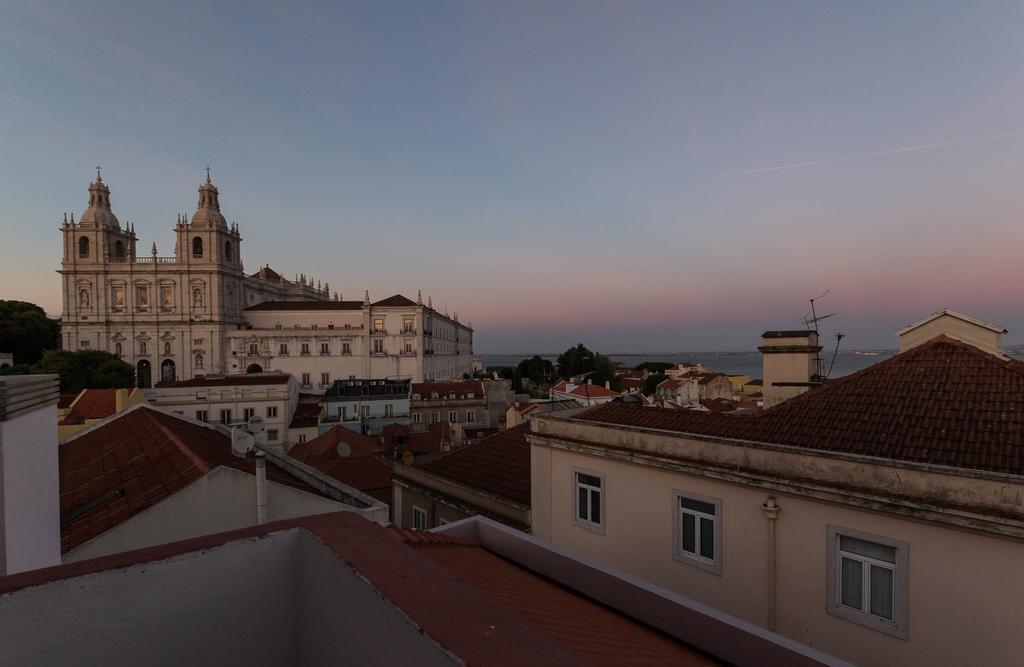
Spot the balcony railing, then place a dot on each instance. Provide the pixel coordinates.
(379, 332)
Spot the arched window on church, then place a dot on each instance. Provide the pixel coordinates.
(117, 349)
(227, 251)
(83, 247)
(167, 348)
(197, 298)
(199, 361)
(119, 249)
(197, 248)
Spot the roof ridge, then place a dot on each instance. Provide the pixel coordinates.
(187, 451)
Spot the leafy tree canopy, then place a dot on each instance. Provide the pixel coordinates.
(87, 369)
(654, 366)
(537, 368)
(579, 360)
(652, 381)
(26, 331)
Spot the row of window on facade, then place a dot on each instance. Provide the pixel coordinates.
(866, 573)
(407, 325)
(283, 349)
(198, 360)
(119, 249)
(226, 418)
(118, 297)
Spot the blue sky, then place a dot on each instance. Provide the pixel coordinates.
(639, 176)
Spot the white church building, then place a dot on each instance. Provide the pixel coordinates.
(198, 313)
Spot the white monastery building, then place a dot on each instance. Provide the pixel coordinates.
(198, 313)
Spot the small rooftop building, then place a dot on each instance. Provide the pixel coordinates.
(983, 335)
(337, 589)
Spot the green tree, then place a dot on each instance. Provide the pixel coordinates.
(26, 331)
(579, 360)
(654, 366)
(537, 369)
(653, 381)
(88, 369)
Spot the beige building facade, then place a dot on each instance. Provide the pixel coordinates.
(197, 312)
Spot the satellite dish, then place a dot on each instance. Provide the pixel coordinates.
(407, 457)
(255, 425)
(344, 450)
(241, 442)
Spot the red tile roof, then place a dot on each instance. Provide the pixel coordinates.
(136, 459)
(461, 388)
(428, 443)
(363, 468)
(944, 402)
(584, 390)
(267, 273)
(238, 379)
(498, 465)
(92, 404)
(396, 300)
(590, 630)
(307, 415)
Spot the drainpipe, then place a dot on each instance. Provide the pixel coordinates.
(261, 488)
(771, 512)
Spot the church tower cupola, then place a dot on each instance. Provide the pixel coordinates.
(99, 214)
(208, 209)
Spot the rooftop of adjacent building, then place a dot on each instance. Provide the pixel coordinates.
(231, 380)
(456, 389)
(473, 592)
(349, 457)
(944, 403)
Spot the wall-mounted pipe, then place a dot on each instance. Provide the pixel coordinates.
(771, 512)
(261, 488)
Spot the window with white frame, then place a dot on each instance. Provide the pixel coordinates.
(697, 531)
(302, 438)
(419, 518)
(225, 416)
(271, 410)
(378, 346)
(453, 417)
(247, 413)
(417, 418)
(305, 349)
(588, 499)
(283, 349)
(389, 410)
(470, 416)
(346, 348)
(325, 348)
(365, 411)
(305, 380)
(325, 379)
(435, 417)
(868, 582)
(201, 415)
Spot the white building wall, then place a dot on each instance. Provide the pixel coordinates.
(225, 499)
(29, 491)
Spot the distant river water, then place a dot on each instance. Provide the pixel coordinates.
(730, 363)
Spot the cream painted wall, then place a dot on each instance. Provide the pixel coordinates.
(965, 597)
(982, 337)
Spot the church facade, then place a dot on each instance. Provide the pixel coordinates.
(198, 313)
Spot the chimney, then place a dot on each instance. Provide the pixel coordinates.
(790, 364)
(29, 473)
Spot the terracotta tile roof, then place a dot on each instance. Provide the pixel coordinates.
(479, 432)
(499, 465)
(944, 402)
(428, 443)
(307, 415)
(238, 379)
(267, 273)
(584, 390)
(308, 305)
(590, 630)
(137, 458)
(671, 383)
(363, 469)
(396, 300)
(719, 404)
(461, 387)
(92, 404)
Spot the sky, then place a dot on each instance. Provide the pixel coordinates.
(640, 177)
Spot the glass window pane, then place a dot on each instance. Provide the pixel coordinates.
(852, 583)
(581, 503)
(588, 479)
(707, 538)
(689, 534)
(698, 506)
(882, 592)
(866, 548)
(595, 507)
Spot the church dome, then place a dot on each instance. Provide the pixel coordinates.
(99, 214)
(208, 209)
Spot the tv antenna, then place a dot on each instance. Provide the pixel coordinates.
(812, 323)
(839, 337)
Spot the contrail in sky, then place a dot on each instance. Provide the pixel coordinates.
(861, 156)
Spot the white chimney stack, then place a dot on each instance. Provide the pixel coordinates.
(790, 364)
